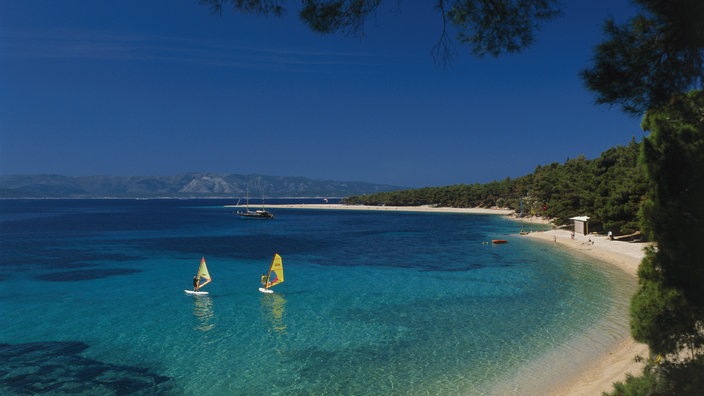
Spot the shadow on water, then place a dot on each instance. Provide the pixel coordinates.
(82, 275)
(57, 368)
(14, 254)
(249, 247)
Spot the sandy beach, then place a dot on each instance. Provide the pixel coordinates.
(614, 366)
(425, 208)
(610, 367)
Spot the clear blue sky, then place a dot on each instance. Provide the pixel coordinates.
(161, 87)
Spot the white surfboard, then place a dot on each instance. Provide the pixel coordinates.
(197, 293)
(263, 290)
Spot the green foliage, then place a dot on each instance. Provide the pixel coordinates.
(660, 315)
(609, 189)
(667, 312)
(647, 384)
(646, 66)
(265, 7)
(664, 379)
(621, 188)
(674, 216)
(656, 55)
(494, 26)
(683, 378)
(339, 15)
(487, 26)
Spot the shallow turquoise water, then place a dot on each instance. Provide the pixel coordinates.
(373, 302)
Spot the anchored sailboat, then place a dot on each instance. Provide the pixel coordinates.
(274, 276)
(254, 214)
(202, 274)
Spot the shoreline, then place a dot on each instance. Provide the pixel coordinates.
(424, 208)
(614, 365)
(611, 366)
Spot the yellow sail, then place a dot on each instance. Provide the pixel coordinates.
(203, 270)
(276, 272)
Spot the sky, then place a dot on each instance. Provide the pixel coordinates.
(164, 87)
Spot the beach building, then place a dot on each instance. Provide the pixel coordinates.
(580, 224)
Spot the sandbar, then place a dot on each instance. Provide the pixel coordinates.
(423, 208)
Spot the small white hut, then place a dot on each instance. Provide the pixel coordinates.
(580, 224)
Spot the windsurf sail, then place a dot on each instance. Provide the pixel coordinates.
(203, 273)
(276, 272)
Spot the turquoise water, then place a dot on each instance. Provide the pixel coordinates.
(373, 303)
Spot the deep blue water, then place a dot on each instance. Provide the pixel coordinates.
(374, 303)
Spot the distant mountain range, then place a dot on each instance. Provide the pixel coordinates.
(188, 185)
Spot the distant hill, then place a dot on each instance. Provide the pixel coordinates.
(188, 185)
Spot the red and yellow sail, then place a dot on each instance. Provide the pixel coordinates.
(276, 272)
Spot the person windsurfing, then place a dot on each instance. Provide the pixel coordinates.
(202, 273)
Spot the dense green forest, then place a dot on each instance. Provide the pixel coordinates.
(608, 189)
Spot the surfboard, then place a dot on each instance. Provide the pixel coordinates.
(263, 290)
(197, 293)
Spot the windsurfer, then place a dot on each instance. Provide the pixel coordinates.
(201, 274)
(263, 280)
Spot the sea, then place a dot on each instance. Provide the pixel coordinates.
(93, 302)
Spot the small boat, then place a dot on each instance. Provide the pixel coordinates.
(499, 241)
(202, 273)
(274, 276)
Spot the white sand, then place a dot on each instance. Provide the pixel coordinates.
(424, 208)
(625, 255)
(609, 368)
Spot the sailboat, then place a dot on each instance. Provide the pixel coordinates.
(255, 214)
(202, 273)
(274, 276)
